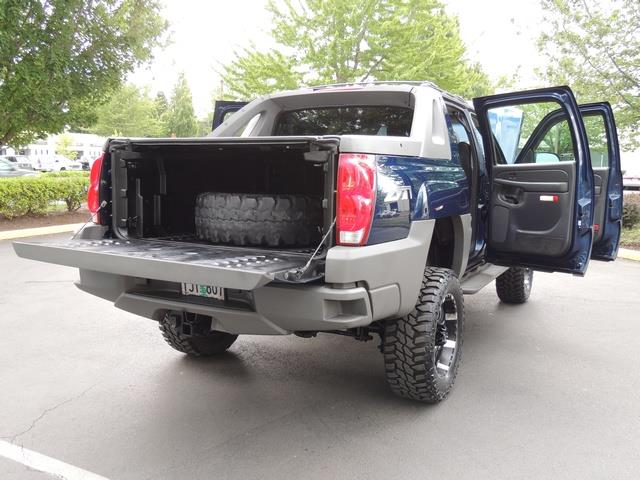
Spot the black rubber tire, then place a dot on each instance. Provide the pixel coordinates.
(514, 285)
(202, 343)
(412, 343)
(258, 220)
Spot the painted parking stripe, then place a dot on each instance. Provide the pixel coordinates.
(45, 464)
(34, 232)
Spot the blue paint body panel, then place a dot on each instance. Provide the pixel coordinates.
(416, 188)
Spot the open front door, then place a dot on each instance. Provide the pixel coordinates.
(542, 199)
(223, 109)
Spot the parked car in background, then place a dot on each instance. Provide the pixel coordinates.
(631, 180)
(21, 161)
(86, 162)
(10, 169)
(57, 163)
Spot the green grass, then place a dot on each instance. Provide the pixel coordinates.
(630, 237)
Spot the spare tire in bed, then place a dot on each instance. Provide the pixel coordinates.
(259, 219)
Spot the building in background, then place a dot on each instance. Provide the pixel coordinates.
(82, 146)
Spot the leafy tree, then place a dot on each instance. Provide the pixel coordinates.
(204, 125)
(335, 41)
(63, 144)
(60, 58)
(180, 116)
(130, 112)
(160, 105)
(595, 48)
(257, 73)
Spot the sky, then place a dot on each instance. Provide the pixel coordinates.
(205, 34)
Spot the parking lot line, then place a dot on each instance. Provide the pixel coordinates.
(33, 232)
(45, 464)
(629, 254)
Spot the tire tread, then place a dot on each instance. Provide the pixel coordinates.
(410, 340)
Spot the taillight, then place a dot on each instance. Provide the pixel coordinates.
(356, 198)
(93, 194)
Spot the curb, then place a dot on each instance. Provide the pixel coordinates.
(629, 254)
(34, 232)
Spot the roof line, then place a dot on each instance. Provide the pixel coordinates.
(416, 83)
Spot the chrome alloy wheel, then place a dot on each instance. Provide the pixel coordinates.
(447, 336)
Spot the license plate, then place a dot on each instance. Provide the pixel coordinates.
(207, 291)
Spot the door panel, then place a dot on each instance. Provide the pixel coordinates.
(608, 214)
(541, 204)
(600, 181)
(531, 206)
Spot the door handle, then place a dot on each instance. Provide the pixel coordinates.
(555, 187)
(510, 199)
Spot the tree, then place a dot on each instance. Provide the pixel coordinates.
(335, 41)
(160, 105)
(595, 48)
(63, 144)
(180, 116)
(204, 125)
(130, 112)
(61, 58)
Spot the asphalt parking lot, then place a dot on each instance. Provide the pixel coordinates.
(550, 389)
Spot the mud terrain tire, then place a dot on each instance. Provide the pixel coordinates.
(258, 220)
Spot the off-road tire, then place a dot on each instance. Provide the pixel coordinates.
(412, 344)
(258, 220)
(201, 340)
(514, 285)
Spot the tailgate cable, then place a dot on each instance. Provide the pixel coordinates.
(297, 273)
(91, 218)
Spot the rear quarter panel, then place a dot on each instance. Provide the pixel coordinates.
(416, 188)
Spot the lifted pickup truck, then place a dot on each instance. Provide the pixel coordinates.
(352, 209)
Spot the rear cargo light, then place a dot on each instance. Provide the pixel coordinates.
(356, 198)
(93, 194)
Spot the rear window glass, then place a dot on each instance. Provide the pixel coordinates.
(363, 120)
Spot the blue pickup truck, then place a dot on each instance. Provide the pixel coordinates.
(358, 209)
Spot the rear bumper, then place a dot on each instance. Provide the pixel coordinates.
(272, 310)
(363, 285)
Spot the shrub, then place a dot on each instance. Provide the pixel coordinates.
(66, 173)
(631, 211)
(34, 195)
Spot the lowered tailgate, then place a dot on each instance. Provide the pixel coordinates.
(231, 267)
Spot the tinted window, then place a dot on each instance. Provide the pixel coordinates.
(364, 120)
(513, 126)
(556, 145)
(459, 131)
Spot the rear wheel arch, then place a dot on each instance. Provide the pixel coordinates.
(450, 243)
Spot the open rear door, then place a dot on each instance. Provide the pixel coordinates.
(542, 200)
(605, 161)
